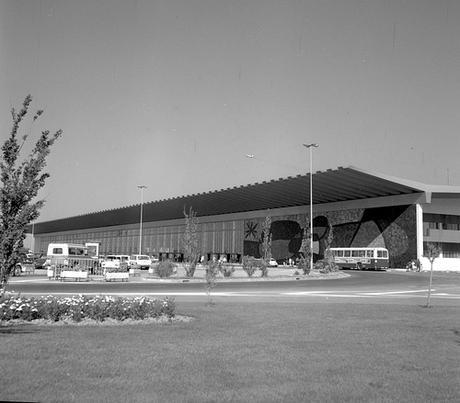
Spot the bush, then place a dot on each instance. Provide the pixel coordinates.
(325, 266)
(304, 265)
(82, 307)
(249, 265)
(263, 267)
(165, 269)
(227, 270)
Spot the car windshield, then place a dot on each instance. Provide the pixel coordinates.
(77, 251)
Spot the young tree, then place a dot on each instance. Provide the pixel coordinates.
(20, 181)
(305, 251)
(328, 256)
(266, 245)
(433, 250)
(190, 242)
(212, 270)
(267, 239)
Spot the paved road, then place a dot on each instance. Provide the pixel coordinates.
(389, 286)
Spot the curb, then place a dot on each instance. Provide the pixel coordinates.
(183, 280)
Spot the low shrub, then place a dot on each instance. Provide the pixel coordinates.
(263, 267)
(304, 265)
(82, 307)
(325, 266)
(227, 269)
(249, 265)
(165, 269)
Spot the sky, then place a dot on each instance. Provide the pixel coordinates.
(174, 94)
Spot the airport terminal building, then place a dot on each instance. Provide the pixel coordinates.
(360, 207)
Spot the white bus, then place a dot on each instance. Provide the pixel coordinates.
(361, 258)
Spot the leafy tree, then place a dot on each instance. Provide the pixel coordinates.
(190, 242)
(433, 250)
(20, 181)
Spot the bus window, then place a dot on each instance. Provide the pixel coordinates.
(347, 253)
(382, 254)
(362, 253)
(339, 253)
(370, 253)
(355, 253)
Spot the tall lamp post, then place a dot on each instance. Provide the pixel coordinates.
(310, 147)
(141, 187)
(33, 238)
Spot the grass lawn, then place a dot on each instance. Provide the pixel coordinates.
(243, 351)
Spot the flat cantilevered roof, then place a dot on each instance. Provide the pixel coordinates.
(330, 186)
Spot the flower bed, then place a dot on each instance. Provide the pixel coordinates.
(119, 269)
(134, 272)
(74, 275)
(81, 307)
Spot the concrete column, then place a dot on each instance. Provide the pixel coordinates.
(419, 229)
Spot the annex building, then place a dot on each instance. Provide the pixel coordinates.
(360, 207)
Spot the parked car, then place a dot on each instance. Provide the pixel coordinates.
(272, 263)
(116, 262)
(139, 262)
(24, 265)
(39, 261)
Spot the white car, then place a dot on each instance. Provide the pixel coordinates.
(139, 262)
(272, 263)
(115, 262)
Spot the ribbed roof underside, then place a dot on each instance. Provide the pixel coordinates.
(341, 184)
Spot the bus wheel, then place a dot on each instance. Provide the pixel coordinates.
(359, 266)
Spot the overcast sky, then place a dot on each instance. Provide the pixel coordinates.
(173, 94)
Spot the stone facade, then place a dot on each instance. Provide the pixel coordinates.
(391, 227)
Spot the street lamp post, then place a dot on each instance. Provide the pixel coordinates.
(33, 238)
(310, 147)
(141, 187)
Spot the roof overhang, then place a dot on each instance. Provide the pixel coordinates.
(339, 186)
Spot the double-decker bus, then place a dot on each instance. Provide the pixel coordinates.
(361, 258)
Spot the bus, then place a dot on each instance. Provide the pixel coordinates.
(361, 258)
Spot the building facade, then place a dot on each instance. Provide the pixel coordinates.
(360, 208)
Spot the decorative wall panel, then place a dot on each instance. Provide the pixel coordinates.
(391, 227)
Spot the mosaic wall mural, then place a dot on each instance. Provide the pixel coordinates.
(391, 227)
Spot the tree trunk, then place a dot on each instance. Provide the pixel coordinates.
(429, 287)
